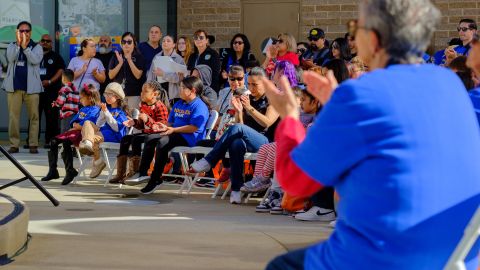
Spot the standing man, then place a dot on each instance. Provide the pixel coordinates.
(51, 69)
(23, 84)
(104, 54)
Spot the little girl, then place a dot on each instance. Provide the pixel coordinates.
(109, 126)
(153, 113)
(67, 100)
(90, 99)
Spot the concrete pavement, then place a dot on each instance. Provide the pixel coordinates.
(111, 228)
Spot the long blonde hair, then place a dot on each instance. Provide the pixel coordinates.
(188, 48)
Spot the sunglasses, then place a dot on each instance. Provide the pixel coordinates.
(199, 37)
(24, 31)
(129, 42)
(238, 43)
(238, 79)
(313, 39)
(45, 41)
(301, 50)
(463, 29)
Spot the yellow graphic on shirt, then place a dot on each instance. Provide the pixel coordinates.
(181, 113)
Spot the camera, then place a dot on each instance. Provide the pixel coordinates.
(241, 91)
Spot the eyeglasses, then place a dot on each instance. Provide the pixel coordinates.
(238, 43)
(24, 31)
(199, 37)
(238, 79)
(45, 40)
(463, 29)
(129, 42)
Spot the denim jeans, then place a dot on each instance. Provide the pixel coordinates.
(238, 140)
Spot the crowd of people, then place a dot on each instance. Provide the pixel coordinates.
(367, 119)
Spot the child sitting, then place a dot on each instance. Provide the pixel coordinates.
(90, 99)
(67, 100)
(109, 126)
(153, 112)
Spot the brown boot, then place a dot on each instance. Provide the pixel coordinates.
(133, 166)
(121, 169)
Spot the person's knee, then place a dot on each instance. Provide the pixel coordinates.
(238, 146)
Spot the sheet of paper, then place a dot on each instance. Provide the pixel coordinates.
(269, 42)
(167, 64)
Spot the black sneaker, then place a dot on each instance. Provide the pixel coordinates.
(151, 187)
(205, 183)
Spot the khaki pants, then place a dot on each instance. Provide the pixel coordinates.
(15, 101)
(91, 132)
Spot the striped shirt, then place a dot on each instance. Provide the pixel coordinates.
(68, 100)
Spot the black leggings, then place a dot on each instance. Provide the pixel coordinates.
(164, 145)
(135, 140)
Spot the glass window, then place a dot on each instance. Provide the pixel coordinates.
(89, 19)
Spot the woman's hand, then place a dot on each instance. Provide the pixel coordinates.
(245, 100)
(283, 99)
(237, 104)
(224, 75)
(119, 58)
(158, 71)
(168, 131)
(272, 51)
(320, 87)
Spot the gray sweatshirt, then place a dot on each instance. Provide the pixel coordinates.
(172, 78)
(34, 58)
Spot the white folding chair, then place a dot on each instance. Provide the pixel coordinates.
(471, 233)
(183, 151)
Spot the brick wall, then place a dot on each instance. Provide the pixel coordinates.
(222, 17)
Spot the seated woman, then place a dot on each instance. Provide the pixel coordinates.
(90, 99)
(256, 118)
(109, 126)
(186, 126)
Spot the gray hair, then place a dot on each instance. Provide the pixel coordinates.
(257, 71)
(404, 27)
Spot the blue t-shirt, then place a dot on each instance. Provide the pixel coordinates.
(148, 53)
(21, 69)
(475, 97)
(109, 135)
(194, 113)
(89, 113)
(400, 145)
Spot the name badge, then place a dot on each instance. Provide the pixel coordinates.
(21, 63)
(43, 71)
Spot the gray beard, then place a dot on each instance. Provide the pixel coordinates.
(103, 50)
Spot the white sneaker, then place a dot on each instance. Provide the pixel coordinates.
(201, 165)
(97, 168)
(317, 214)
(86, 147)
(136, 179)
(236, 197)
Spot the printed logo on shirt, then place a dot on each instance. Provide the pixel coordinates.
(181, 113)
(82, 115)
(115, 114)
(50, 61)
(207, 57)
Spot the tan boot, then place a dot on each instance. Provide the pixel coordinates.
(121, 169)
(133, 166)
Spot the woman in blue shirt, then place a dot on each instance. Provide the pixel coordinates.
(186, 126)
(400, 145)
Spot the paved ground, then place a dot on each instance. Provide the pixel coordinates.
(112, 228)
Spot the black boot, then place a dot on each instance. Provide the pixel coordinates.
(52, 165)
(67, 156)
